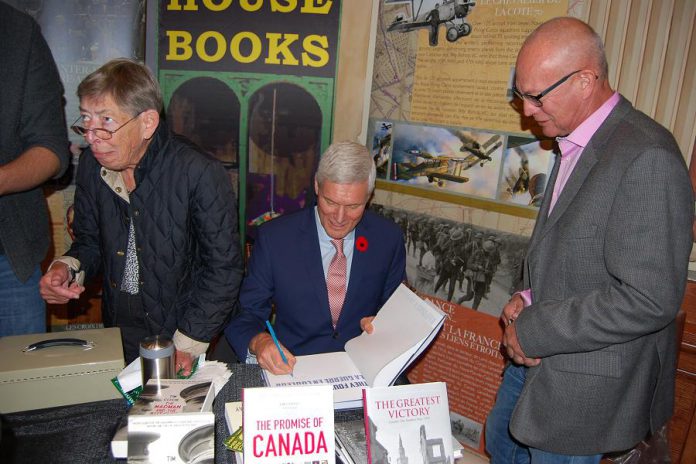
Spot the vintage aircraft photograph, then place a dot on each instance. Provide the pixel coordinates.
(451, 13)
(381, 144)
(526, 165)
(434, 168)
(433, 157)
(478, 152)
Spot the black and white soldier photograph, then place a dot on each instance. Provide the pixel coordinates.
(465, 264)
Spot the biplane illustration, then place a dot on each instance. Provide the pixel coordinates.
(521, 184)
(524, 183)
(380, 145)
(451, 13)
(435, 169)
(440, 167)
(478, 152)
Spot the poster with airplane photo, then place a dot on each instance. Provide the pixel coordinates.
(527, 164)
(446, 159)
(433, 15)
(381, 147)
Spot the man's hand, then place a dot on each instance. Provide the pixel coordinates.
(366, 324)
(511, 312)
(183, 363)
(512, 309)
(514, 350)
(55, 286)
(268, 356)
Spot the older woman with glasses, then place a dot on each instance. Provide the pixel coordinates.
(153, 214)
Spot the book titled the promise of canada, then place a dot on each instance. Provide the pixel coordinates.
(289, 425)
(408, 423)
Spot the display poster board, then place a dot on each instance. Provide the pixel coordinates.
(442, 120)
(466, 355)
(253, 84)
(469, 272)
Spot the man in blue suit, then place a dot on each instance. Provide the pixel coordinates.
(292, 258)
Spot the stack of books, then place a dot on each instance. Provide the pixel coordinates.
(172, 421)
(400, 422)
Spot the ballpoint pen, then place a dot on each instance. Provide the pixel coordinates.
(277, 344)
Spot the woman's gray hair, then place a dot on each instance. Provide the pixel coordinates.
(347, 163)
(131, 85)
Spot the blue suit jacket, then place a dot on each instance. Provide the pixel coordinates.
(285, 269)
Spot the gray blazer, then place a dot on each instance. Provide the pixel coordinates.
(607, 271)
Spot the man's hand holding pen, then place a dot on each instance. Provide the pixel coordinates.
(275, 358)
(268, 355)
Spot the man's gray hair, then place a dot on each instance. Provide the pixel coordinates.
(347, 163)
(132, 86)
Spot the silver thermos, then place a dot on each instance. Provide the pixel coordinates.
(157, 358)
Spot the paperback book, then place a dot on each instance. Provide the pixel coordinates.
(288, 425)
(233, 419)
(403, 329)
(408, 423)
(351, 445)
(172, 422)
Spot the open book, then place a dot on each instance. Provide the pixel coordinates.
(403, 329)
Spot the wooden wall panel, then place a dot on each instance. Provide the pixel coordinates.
(654, 56)
(633, 56)
(353, 63)
(651, 50)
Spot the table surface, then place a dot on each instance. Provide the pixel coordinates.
(248, 376)
(243, 375)
(82, 433)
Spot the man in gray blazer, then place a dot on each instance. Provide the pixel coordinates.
(592, 336)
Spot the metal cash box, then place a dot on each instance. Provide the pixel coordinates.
(57, 369)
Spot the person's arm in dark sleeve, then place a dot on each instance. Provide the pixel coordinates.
(255, 299)
(646, 249)
(42, 124)
(214, 293)
(397, 268)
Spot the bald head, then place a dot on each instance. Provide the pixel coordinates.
(561, 75)
(566, 43)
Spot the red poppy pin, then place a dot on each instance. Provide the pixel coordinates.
(361, 244)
